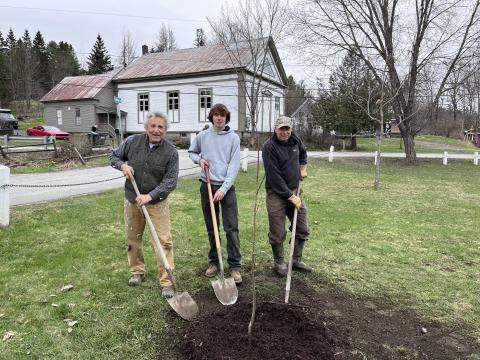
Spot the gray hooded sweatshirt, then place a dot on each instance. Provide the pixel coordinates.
(221, 150)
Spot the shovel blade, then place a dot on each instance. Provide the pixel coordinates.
(184, 305)
(225, 290)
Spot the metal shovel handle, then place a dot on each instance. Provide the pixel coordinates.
(292, 247)
(158, 246)
(214, 221)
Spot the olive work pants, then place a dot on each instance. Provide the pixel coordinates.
(278, 209)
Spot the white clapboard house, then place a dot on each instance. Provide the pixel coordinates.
(185, 83)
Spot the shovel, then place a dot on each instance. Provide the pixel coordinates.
(292, 247)
(225, 289)
(182, 303)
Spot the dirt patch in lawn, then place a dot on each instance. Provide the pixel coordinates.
(320, 323)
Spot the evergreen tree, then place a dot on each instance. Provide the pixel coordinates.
(99, 61)
(11, 41)
(3, 42)
(344, 108)
(40, 69)
(3, 71)
(62, 61)
(201, 39)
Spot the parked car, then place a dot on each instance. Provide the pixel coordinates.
(53, 131)
(8, 123)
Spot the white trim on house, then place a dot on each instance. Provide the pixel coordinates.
(224, 90)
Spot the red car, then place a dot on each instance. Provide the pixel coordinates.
(48, 131)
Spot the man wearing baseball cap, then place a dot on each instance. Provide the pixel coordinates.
(285, 162)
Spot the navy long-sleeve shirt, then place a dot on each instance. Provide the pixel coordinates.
(282, 160)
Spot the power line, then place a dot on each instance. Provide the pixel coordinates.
(103, 13)
(313, 97)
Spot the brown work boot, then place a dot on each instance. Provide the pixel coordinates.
(211, 271)
(237, 277)
(167, 291)
(136, 279)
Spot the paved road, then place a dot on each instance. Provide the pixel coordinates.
(21, 196)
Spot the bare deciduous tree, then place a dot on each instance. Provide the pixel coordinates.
(246, 29)
(402, 36)
(128, 52)
(165, 40)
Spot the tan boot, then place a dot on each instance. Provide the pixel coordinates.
(237, 276)
(211, 271)
(167, 291)
(136, 279)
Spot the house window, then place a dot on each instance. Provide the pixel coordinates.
(59, 117)
(78, 118)
(204, 104)
(173, 106)
(277, 107)
(143, 107)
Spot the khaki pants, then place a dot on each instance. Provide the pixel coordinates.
(134, 227)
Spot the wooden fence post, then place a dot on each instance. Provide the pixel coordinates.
(376, 157)
(245, 160)
(55, 147)
(4, 196)
(475, 158)
(445, 158)
(330, 156)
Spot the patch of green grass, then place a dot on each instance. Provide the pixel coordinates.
(24, 124)
(396, 145)
(414, 244)
(444, 140)
(50, 165)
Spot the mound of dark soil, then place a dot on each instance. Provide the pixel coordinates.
(280, 332)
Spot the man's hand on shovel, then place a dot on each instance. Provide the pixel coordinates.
(143, 199)
(203, 164)
(127, 171)
(218, 196)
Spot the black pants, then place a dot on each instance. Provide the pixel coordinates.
(230, 224)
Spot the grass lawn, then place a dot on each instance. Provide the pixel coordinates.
(23, 125)
(49, 165)
(393, 145)
(414, 244)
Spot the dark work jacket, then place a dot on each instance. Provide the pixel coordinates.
(155, 169)
(282, 162)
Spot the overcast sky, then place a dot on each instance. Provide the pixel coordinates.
(64, 21)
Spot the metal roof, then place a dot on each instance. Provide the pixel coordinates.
(183, 61)
(204, 59)
(80, 87)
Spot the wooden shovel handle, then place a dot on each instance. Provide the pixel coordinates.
(214, 221)
(156, 240)
(292, 247)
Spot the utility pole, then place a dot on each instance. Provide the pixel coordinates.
(117, 101)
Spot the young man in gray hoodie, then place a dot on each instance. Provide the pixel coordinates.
(218, 148)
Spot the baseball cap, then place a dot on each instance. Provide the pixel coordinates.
(283, 121)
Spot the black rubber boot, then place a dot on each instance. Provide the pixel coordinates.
(298, 264)
(278, 264)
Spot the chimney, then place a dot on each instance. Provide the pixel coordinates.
(144, 49)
